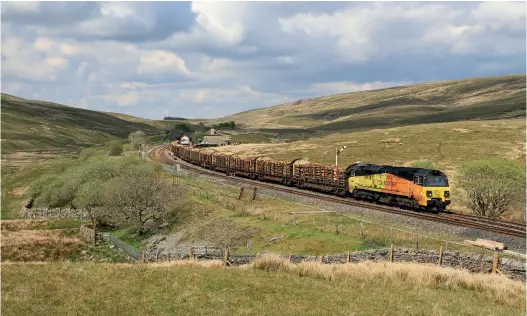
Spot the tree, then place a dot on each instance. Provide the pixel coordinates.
(137, 139)
(89, 197)
(492, 185)
(139, 196)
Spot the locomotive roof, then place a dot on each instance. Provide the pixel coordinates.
(373, 169)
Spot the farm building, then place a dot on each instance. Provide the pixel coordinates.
(214, 137)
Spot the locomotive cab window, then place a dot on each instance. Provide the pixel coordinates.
(435, 181)
(418, 180)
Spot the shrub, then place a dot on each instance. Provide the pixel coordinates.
(116, 148)
(492, 185)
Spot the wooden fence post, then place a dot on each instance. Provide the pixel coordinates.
(321, 257)
(241, 193)
(495, 263)
(191, 254)
(361, 230)
(255, 196)
(226, 257)
(348, 257)
(142, 260)
(440, 261)
(289, 257)
(391, 252)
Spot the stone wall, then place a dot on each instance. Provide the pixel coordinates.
(472, 262)
(53, 213)
(87, 234)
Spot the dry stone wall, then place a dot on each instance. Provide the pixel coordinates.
(54, 213)
(472, 262)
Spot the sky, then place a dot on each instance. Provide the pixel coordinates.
(211, 59)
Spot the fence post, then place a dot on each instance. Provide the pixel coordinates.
(241, 193)
(191, 254)
(362, 230)
(226, 257)
(495, 263)
(289, 257)
(348, 257)
(255, 196)
(440, 261)
(391, 252)
(321, 257)
(142, 257)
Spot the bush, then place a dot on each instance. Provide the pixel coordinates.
(492, 185)
(115, 148)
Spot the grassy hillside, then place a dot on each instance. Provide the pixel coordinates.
(194, 289)
(159, 124)
(35, 126)
(444, 101)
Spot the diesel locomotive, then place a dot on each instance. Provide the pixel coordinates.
(416, 188)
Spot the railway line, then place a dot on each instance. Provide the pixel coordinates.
(162, 154)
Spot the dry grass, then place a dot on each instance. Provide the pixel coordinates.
(21, 224)
(39, 245)
(190, 288)
(455, 100)
(499, 287)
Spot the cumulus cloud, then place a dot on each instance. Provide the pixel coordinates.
(206, 59)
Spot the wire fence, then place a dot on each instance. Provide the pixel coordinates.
(376, 235)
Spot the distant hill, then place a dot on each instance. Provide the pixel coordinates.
(32, 126)
(433, 102)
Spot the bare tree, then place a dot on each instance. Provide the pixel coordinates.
(137, 139)
(140, 196)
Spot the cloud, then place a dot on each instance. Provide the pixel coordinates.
(160, 61)
(206, 59)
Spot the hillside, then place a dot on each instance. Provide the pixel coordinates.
(37, 126)
(432, 102)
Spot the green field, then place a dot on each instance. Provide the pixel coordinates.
(357, 289)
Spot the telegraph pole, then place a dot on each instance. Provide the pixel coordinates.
(337, 153)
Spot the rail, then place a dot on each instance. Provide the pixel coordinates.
(159, 154)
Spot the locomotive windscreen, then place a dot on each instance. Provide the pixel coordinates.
(435, 181)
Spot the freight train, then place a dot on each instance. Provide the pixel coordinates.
(415, 188)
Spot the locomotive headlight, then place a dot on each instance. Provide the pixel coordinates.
(429, 193)
(447, 193)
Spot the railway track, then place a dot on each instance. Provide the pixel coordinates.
(162, 155)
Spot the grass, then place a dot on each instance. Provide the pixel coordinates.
(213, 215)
(30, 127)
(197, 289)
(51, 241)
(432, 102)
